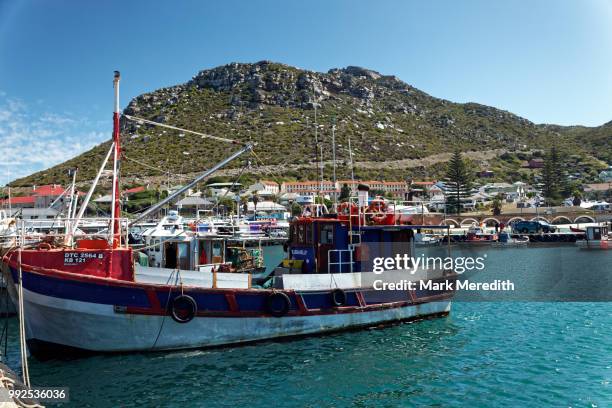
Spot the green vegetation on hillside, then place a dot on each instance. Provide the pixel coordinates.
(272, 104)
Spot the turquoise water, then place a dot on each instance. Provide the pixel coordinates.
(485, 354)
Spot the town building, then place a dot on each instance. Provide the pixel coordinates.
(265, 188)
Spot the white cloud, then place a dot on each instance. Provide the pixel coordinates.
(31, 141)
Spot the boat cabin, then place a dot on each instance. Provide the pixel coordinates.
(596, 233)
(329, 245)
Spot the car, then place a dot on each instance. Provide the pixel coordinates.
(533, 227)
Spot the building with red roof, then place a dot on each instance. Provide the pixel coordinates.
(18, 202)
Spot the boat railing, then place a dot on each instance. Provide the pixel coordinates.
(379, 210)
(68, 231)
(340, 263)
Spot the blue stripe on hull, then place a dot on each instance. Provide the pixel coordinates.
(213, 302)
(83, 291)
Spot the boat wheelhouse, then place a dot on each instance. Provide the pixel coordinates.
(596, 237)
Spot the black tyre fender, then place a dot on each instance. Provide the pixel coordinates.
(183, 309)
(338, 297)
(277, 304)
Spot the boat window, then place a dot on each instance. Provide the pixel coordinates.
(308, 235)
(183, 256)
(203, 258)
(217, 252)
(327, 234)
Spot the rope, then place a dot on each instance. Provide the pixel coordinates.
(150, 122)
(22, 335)
(161, 326)
(257, 159)
(4, 335)
(157, 168)
(8, 382)
(232, 186)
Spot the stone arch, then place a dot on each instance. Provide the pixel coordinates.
(486, 220)
(561, 217)
(446, 221)
(587, 218)
(539, 218)
(465, 224)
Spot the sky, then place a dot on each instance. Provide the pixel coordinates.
(549, 61)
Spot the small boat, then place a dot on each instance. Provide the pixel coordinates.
(476, 235)
(506, 239)
(426, 239)
(596, 237)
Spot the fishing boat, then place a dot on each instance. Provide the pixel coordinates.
(596, 237)
(89, 293)
(476, 235)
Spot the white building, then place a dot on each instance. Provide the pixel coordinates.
(265, 188)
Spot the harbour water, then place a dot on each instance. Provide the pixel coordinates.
(485, 354)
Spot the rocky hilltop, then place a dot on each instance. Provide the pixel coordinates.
(386, 119)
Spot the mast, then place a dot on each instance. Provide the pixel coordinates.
(316, 124)
(116, 206)
(71, 204)
(334, 159)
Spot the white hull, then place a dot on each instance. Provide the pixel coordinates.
(594, 244)
(99, 328)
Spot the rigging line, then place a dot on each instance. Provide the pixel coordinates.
(247, 164)
(257, 159)
(150, 122)
(157, 168)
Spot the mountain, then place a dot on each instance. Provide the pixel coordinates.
(272, 104)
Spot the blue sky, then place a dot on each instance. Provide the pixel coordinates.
(549, 61)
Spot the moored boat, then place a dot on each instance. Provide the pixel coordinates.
(596, 237)
(91, 292)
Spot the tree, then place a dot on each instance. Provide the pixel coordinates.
(577, 199)
(497, 205)
(255, 201)
(459, 181)
(345, 193)
(296, 209)
(554, 179)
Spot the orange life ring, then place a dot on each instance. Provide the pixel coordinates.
(44, 246)
(378, 211)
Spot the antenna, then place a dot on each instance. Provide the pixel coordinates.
(351, 159)
(8, 183)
